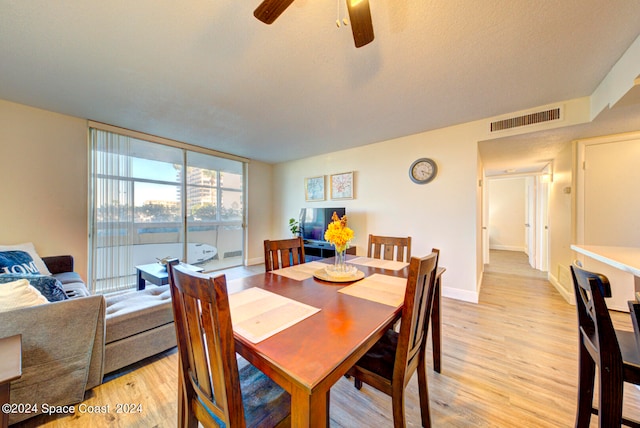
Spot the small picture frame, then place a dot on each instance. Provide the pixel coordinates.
(314, 189)
(342, 185)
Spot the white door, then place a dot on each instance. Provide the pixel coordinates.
(611, 205)
(542, 224)
(608, 209)
(530, 220)
(485, 221)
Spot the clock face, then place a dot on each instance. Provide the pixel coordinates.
(423, 171)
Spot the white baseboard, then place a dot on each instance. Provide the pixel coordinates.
(459, 294)
(254, 261)
(508, 248)
(566, 294)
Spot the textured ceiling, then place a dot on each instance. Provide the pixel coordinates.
(209, 73)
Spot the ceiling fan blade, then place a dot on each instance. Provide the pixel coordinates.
(361, 25)
(270, 10)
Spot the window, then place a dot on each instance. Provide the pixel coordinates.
(150, 200)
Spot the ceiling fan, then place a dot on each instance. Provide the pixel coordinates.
(359, 15)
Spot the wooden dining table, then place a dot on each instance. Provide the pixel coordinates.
(307, 358)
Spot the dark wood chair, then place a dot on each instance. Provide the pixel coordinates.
(390, 363)
(283, 253)
(212, 387)
(614, 352)
(389, 248)
(436, 316)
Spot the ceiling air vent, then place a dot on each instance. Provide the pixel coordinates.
(527, 119)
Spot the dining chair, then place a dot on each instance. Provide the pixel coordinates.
(283, 253)
(390, 363)
(389, 248)
(614, 352)
(213, 389)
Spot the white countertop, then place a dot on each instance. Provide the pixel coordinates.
(624, 258)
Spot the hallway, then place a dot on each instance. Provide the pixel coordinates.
(512, 262)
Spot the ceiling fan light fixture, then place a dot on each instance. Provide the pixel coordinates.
(361, 25)
(269, 10)
(359, 17)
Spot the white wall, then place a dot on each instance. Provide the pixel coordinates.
(259, 215)
(507, 214)
(43, 171)
(561, 231)
(441, 214)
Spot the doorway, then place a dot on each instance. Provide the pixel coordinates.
(516, 217)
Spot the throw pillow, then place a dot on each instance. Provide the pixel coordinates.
(48, 286)
(19, 294)
(29, 248)
(17, 262)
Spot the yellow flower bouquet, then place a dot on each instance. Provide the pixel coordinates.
(339, 235)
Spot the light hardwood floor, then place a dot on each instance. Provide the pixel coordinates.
(508, 361)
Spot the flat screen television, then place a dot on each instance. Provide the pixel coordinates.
(314, 222)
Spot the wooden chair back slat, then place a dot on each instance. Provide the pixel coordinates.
(283, 253)
(415, 314)
(596, 327)
(389, 248)
(209, 372)
(407, 347)
(600, 346)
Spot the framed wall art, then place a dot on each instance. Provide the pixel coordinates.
(342, 185)
(314, 189)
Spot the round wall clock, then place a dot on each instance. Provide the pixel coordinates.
(423, 170)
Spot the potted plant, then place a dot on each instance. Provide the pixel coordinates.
(294, 227)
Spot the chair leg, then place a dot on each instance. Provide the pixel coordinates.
(423, 390)
(357, 383)
(182, 408)
(587, 373)
(397, 402)
(610, 399)
(186, 417)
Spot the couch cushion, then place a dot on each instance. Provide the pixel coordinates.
(138, 311)
(72, 284)
(50, 287)
(29, 248)
(68, 277)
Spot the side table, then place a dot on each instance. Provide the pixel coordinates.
(10, 369)
(157, 274)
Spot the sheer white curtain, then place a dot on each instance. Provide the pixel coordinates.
(111, 213)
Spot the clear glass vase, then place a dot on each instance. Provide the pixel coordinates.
(340, 269)
(340, 265)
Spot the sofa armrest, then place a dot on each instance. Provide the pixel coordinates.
(59, 264)
(62, 351)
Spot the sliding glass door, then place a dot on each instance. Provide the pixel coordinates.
(150, 201)
(214, 211)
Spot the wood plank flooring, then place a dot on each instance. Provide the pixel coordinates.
(509, 361)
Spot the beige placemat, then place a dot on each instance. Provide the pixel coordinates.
(300, 272)
(378, 263)
(385, 289)
(257, 314)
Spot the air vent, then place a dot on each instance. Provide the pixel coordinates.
(526, 120)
